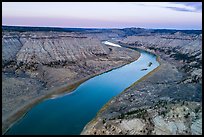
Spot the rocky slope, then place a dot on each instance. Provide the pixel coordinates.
(164, 118)
(169, 101)
(33, 63)
(179, 47)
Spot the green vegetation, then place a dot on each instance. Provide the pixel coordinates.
(150, 63)
(104, 121)
(161, 103)
(121, 116)
(139, 113)
(197, 109)
(187, 115)
(163, 113)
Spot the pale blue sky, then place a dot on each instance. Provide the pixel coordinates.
(176, 15)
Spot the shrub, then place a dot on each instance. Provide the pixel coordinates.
(104, 121)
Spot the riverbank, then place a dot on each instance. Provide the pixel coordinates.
(55, 91)
(93, 122)
(149, 103)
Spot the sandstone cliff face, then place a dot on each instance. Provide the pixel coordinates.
(13, 45)
(182, 43)
(35, 62)
(62, 50)
(46, 49)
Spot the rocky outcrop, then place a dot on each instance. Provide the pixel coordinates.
(11, 46)
(63, 50)
(164, 118)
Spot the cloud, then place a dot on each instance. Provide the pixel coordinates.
(110, 14)
(196, 5)
(177, 6)
(188, 6)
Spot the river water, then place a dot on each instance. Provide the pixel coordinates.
(68, 114)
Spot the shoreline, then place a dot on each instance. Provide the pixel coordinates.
(135, 83)
(65, 88)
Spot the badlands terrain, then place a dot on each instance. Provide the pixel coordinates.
(169, 101)
(40, 62)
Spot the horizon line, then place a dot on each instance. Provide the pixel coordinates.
(60, 27)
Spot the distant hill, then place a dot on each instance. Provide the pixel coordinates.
(25, 28)
(129, 31)
(171, 31)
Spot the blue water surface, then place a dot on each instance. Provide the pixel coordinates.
(68, 114)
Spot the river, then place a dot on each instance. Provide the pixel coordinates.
(68, 114)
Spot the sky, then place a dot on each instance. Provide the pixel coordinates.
(169, 15)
